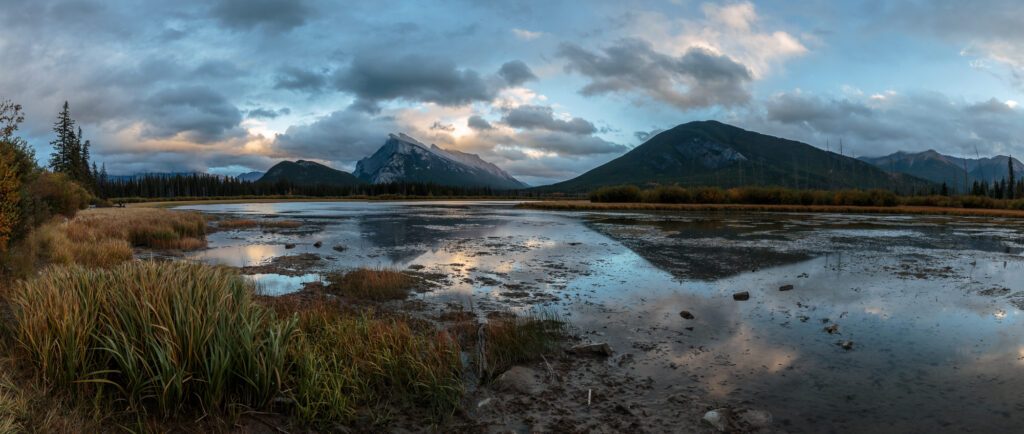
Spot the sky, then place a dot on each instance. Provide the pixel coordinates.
(544, 89)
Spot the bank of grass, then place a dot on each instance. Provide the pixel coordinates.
(152, 337)
(784, 199)
(102, 238)
(376, 284)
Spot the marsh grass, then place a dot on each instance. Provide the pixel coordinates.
(237, 224)
(348, 363)
(282, 224)
(378, 284)
(157, 337)
(516, 338)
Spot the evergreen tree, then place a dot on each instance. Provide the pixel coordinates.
(62, 158)
(945, 190)
(1012, 183)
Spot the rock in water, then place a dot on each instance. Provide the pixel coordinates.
(318, 244)
(846, 345)
(602, 349)
(686, 314)
(289, 246)
(741, 296)
(832, 329)
(785, 287)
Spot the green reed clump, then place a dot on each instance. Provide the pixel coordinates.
(153, 336)
(348, 364)
(371, 284)
(514, 338)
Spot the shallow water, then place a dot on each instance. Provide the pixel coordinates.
(930, 303)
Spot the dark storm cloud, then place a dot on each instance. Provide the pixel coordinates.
(887, 123)
(199, 111)
(292, 78)
(478, 123)
(343, 136)
(516, 73)
(532, 117)
(418, 78)
(270, 15)
(696, 79)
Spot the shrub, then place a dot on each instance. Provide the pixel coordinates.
(622, 193)
(979, 202)
(153, 335)
(61, 195)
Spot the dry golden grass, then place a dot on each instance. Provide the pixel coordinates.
(731, 207)
(285, 224)
(237, 224)
(371, 284)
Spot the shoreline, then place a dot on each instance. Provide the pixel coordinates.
(746, 208)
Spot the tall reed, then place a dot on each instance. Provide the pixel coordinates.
(156, 336)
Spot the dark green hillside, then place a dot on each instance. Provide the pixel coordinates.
(711, 153)
(303, 172)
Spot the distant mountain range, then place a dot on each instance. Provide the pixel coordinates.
(955, 172)
(704, 153)
(304, 172)
(250, 176)
(404, 159)
(715, 154)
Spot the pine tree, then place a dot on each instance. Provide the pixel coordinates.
(62, 158)
(1012, 183)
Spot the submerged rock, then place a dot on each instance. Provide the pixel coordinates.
(741, 296)
(738, 420)
(339, 248)
(289, 246)
(602, 349)
(785, 287)
(832, 329)
(686, 314)
(846, 345)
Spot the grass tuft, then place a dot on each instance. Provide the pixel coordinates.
(356, 362)
(161, 336)
(371, 284)
(512, 339)
(237, 224)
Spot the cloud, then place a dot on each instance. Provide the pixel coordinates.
(643, 136)
(912, 122)
(419, 78)
(292, 78)
(343, 137)
(516, 73)
(697, 79)
(271, 15)
(526, 35)
(265, 113)
(532, 117)
(199, 112)
(478, 123)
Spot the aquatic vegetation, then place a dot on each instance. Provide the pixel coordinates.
(371, 284)
(284, 224)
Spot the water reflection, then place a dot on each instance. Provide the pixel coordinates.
(931, 303)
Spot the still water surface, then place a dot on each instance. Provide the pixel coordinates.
(931, 304)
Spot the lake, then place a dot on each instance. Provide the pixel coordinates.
(930, 305)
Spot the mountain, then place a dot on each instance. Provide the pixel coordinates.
(716, 154)
(929, 165)
(404, 159)
(303, 172)
(954, 171)
(249, 176)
